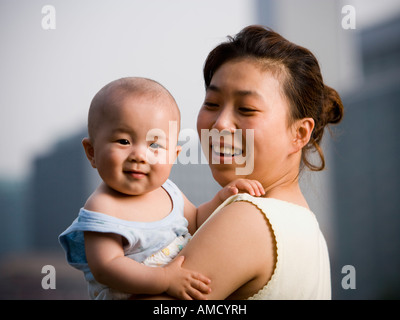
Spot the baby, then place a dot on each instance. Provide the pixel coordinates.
(137, 219)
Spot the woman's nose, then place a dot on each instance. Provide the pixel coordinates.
(225, 121)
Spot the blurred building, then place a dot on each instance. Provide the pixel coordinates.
(367, 179)
(14, 209)
(35, 212)
(60, 184)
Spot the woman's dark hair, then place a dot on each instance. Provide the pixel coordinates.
(302, 84)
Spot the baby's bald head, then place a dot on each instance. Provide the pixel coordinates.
(113, 94)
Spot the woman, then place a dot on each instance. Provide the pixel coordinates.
(269, 247)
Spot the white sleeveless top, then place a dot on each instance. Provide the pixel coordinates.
(302, 269)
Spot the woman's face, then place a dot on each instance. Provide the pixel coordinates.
(243, 96)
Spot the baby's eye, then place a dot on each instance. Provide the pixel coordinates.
(124, 142)
(155, 145)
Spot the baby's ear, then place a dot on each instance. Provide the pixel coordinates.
(178, 150)
(89, 150)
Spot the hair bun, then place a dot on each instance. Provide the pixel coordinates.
(332, 107)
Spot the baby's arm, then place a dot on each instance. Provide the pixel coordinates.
(253, 187)
(109, 266)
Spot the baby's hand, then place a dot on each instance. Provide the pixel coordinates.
(253, 187)
(186, 284)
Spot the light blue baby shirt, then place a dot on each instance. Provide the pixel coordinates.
(144, 238)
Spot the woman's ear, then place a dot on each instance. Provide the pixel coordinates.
(303, 129)
(89, 150)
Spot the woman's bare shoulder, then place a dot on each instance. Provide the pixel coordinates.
(235, 249)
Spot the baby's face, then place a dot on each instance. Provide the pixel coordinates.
(136, 145)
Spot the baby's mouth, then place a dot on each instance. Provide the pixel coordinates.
(137, 174)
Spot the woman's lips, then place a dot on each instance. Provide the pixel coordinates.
(226, 150)
(224, 153)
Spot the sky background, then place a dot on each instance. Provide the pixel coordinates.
(48, 77)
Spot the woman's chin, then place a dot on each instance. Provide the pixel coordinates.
(223, 174)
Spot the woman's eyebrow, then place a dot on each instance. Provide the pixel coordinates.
(212, 87)
(242, 93)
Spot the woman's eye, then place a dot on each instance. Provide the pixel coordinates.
(124, 142)
(246, 110)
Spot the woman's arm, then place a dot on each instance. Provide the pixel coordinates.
(235, 248)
